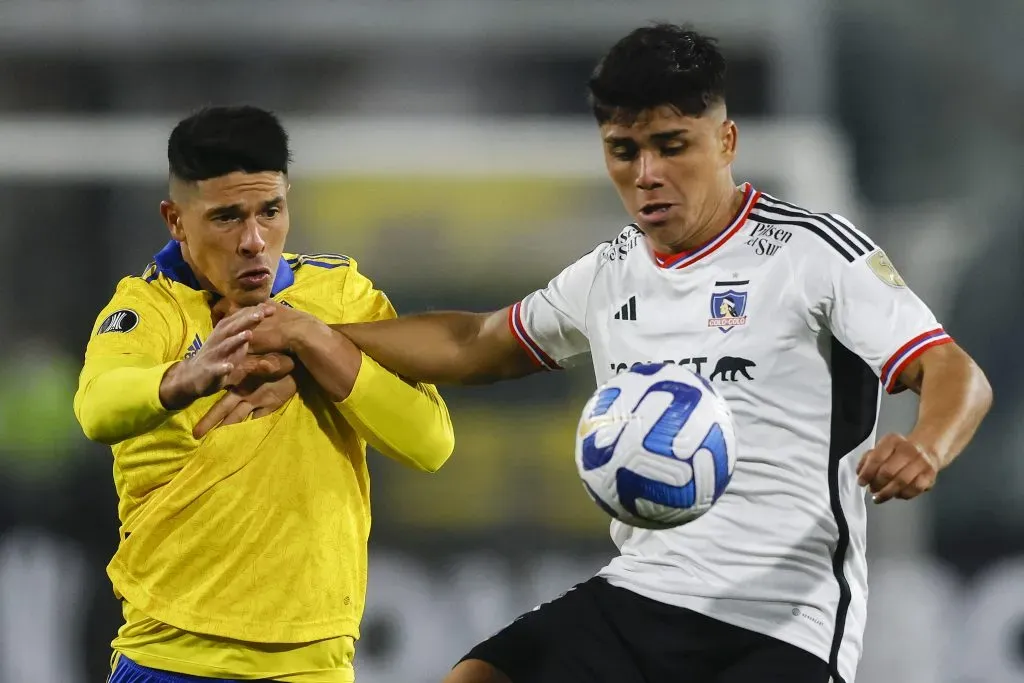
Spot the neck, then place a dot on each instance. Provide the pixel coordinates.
(715, 218)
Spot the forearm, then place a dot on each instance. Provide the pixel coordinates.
(407, 423)
(449, 347)
(332, 360)
(118, 403)
(955, 396)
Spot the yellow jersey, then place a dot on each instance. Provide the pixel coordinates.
(243, 554)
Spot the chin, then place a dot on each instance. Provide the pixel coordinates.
(250, 297)
(661, 228)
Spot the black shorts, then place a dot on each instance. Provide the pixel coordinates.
(598, 633)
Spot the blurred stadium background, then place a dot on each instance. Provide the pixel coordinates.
(445, 144)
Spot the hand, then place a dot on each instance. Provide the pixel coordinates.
(239, 403)
(258, 368)
(222, 309)
(897, 468)
(274, 333)
(211, 368)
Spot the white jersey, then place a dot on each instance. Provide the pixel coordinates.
(795, 317)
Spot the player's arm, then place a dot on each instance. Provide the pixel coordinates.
(449, 347)
(129, 385)
(540, 332)
(126, 359)
(955, 397)
(872, 312)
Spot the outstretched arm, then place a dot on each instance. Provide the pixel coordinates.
(449, 347)
(955, 396)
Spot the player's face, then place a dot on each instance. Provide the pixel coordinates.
(232, 231)
(672, 171)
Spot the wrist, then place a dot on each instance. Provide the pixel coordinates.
(175, 393)
(305, 334)
(932, 443)
(332, 359)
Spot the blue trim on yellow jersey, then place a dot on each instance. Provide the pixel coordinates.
(320, 264)
(319, 260)
(171, 263)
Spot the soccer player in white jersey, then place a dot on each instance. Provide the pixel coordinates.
(798, 318)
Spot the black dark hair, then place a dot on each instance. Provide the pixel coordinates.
(216, 141)
(659, 65)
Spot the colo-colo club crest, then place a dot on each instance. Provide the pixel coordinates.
(729, 307)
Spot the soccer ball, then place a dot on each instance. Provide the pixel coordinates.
(655, 446)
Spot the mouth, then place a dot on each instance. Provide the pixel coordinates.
(254, 277)
(655, 212)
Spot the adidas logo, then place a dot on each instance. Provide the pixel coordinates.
(193, 348)
(628, 310)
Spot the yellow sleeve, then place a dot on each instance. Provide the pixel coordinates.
(406, 422)
(129, 351)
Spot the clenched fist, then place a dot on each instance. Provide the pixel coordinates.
(897, 468)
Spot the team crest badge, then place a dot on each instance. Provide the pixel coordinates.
(728, 310)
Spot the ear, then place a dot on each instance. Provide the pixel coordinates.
(171, 214)
(728, 137)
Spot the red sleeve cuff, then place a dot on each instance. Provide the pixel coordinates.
(905, 355)
(532, 348)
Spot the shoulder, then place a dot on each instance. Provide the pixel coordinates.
(314, 264)
(579, 275)
(618, 248)
(144, 290)
(316, 269)
(818, 237)
(141, 306)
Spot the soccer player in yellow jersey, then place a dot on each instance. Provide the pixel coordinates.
(243, 549)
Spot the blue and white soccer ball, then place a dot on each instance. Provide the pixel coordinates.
(656, 446)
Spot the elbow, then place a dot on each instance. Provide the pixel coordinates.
(983, 390)
(100, 436)
(94, 426)
(435, 451)
(95, 420)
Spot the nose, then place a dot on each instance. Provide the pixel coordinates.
(252, 243)
(648, 171)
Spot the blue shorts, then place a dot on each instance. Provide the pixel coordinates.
(128, 671)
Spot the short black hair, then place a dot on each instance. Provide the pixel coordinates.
(658, 65)
(216, 141)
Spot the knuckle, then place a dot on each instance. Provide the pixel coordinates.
(887, 471)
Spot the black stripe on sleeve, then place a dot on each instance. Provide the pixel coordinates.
(841, 227)
(811, 225)
(819, 220)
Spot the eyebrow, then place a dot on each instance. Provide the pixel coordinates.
(657, 137)
(668, 135)
(236, 209)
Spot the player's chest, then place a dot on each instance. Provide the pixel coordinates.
(727, 322)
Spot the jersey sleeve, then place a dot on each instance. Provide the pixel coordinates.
(129, 351)
(550, 323)
(870, 309)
